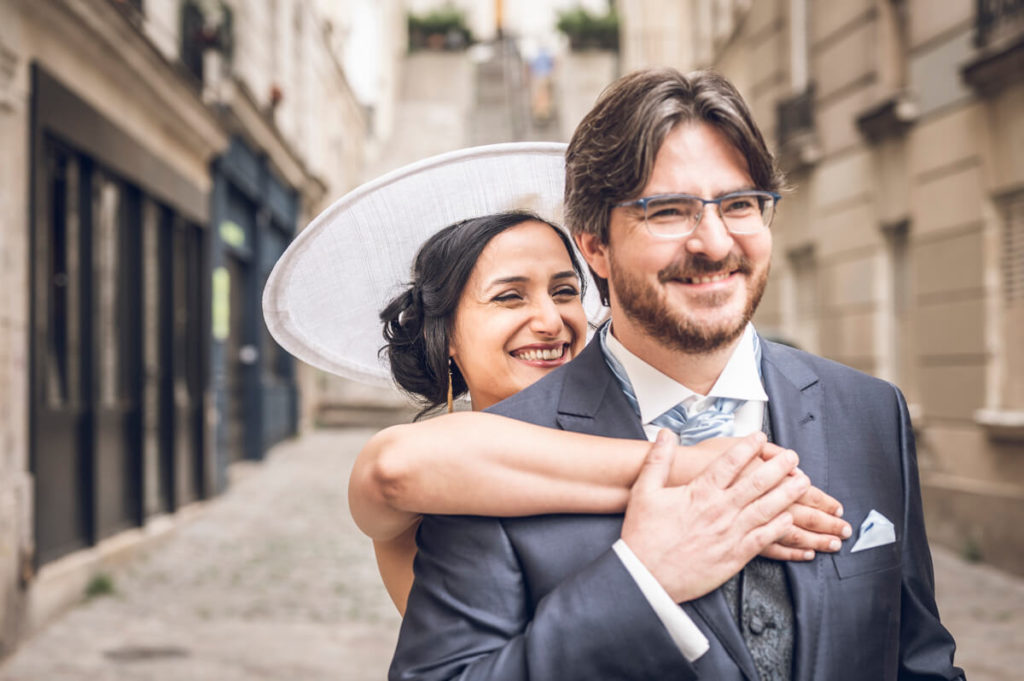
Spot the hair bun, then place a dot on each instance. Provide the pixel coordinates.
(405, 344)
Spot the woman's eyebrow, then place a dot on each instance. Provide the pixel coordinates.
(521, 279)
(501, 281)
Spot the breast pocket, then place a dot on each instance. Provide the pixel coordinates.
(867, 561)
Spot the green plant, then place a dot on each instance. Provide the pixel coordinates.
(442, 28)
(971, 550)
(101, 584)
(587, 30)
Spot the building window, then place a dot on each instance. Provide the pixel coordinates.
(803, 263)
(192, 39)
(899, 326)
(1012, 276)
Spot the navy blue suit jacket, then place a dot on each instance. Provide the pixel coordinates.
(546, 598)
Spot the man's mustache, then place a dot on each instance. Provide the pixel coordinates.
(702, 266)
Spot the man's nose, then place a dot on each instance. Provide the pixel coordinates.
(711, 238)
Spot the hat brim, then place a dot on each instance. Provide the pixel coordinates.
(324, 296)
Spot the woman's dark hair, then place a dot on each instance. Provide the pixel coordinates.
(418, 323)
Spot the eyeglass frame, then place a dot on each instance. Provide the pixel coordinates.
(643, 201)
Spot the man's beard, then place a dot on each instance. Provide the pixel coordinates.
(647, 307)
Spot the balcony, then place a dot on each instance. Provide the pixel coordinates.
(796, 134)
(999, 40)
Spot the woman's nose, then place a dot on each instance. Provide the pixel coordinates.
(546, 320)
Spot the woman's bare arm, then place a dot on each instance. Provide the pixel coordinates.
(394, 562)
(482, 464)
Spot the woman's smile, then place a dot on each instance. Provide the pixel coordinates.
(545, 355)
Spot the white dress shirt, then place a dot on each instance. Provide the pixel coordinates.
(656, 393)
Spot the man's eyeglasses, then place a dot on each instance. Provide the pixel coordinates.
(672, 216)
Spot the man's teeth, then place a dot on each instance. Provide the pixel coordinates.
(708, 280)
(535, 355)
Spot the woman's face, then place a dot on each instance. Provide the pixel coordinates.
(520, 315)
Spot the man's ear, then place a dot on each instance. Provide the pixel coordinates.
(594, 251)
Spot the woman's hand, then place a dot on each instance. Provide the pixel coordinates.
(817, 523)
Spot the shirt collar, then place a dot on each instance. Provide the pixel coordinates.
(656, 393)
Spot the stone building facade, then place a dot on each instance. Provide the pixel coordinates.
(159, 155)
(899, 251)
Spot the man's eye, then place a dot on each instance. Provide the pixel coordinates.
(741, 205)
(679, 210)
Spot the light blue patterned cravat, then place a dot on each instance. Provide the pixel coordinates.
(716, 421)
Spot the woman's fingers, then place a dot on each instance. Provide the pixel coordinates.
(815, 498)
(818, 521)
(778, 551)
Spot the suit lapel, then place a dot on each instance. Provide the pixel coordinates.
(797, 422)
(713, 609)
(592, 401)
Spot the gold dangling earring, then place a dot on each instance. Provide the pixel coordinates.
(450, 408)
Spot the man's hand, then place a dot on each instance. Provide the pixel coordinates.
(817, 523)
(694, 537)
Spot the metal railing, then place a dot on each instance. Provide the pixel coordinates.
(994, 17)
(796, 115)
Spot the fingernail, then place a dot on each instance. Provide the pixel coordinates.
(847, 531)
(834, 545)
(808, 555)
(839, 512)
(790, 456)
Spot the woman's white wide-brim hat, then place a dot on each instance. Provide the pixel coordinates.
(324, 296)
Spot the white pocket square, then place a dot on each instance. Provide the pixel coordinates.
(876, 530)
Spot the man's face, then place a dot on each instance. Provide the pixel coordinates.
(692, 294)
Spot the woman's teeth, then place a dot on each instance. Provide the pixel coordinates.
(708, 280)
(547, 354)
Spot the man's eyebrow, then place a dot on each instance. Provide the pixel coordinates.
(744, 188)
(735, 190)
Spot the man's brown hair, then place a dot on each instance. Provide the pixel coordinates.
(611, 155)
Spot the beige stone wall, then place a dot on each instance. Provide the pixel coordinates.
(889, 251)
(85, 52)
(14, 482)
(125, 70)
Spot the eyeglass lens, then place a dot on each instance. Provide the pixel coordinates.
(743, 213)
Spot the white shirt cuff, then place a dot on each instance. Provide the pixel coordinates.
(691, 642)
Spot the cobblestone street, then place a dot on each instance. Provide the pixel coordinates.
(273, 581)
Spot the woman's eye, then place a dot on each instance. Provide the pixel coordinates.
(509, 297)
(566, 292)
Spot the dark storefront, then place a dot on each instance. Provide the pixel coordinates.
(118, 314)
(141, 313)
(254, 379)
